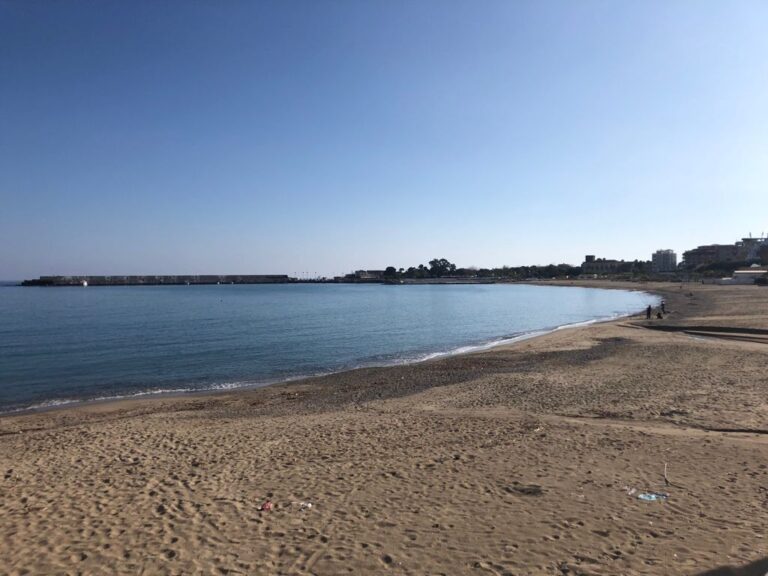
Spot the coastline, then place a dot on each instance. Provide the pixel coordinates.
(234, 387)
(520, 459)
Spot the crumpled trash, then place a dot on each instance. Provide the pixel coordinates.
(653, 496)
(267, 506)
(303, 505)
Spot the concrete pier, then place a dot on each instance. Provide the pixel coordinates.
(158, 280)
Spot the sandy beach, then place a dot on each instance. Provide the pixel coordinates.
(526, 459)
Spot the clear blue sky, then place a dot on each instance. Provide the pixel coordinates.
(325, 136)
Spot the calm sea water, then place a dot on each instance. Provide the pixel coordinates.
(67, 344)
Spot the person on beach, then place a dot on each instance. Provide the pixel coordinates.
(663, 307)
(648, 312)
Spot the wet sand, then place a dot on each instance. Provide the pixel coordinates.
(523, 460)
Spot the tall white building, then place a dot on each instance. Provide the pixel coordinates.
(664, 261)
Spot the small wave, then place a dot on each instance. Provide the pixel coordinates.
(60, 402)
(53, 403)
(217, 387)
(480, 347)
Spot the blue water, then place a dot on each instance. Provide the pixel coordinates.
(68, 344)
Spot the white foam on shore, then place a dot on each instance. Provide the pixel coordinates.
(49, 404)
(220, 387)
(517, 338)
(60, 402)
(480, 347)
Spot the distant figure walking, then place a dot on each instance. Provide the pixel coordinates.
(663, 307)
(648, 312)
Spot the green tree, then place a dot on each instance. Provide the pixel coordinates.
(440, 267)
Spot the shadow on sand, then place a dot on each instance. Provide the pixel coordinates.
(759, 568)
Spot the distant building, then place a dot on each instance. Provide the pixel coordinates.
(664, 261)
(362, 276)
(710, 254)
(745, 250)
(592, 265)
(369, 274)
(752, 248)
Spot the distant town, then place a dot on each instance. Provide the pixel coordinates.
(743, 262)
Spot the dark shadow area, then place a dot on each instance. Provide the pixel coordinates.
(756, 335)
(759, 568)
(715, 329)
(367, 384)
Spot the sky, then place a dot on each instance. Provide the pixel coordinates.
(322, 136)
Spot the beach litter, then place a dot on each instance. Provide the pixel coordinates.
(647, 496)
(653, 496)
(650, 496)
(267, 506)
(303, 505)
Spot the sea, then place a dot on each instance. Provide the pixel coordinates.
(66, 345)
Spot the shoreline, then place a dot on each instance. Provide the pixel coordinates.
(524, 459)
(224, 388)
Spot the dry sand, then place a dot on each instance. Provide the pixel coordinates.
(517, 460)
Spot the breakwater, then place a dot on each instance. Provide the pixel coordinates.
(159, 280)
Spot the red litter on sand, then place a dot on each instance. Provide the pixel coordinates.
(266, 506)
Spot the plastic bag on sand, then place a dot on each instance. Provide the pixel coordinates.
(653, 496)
